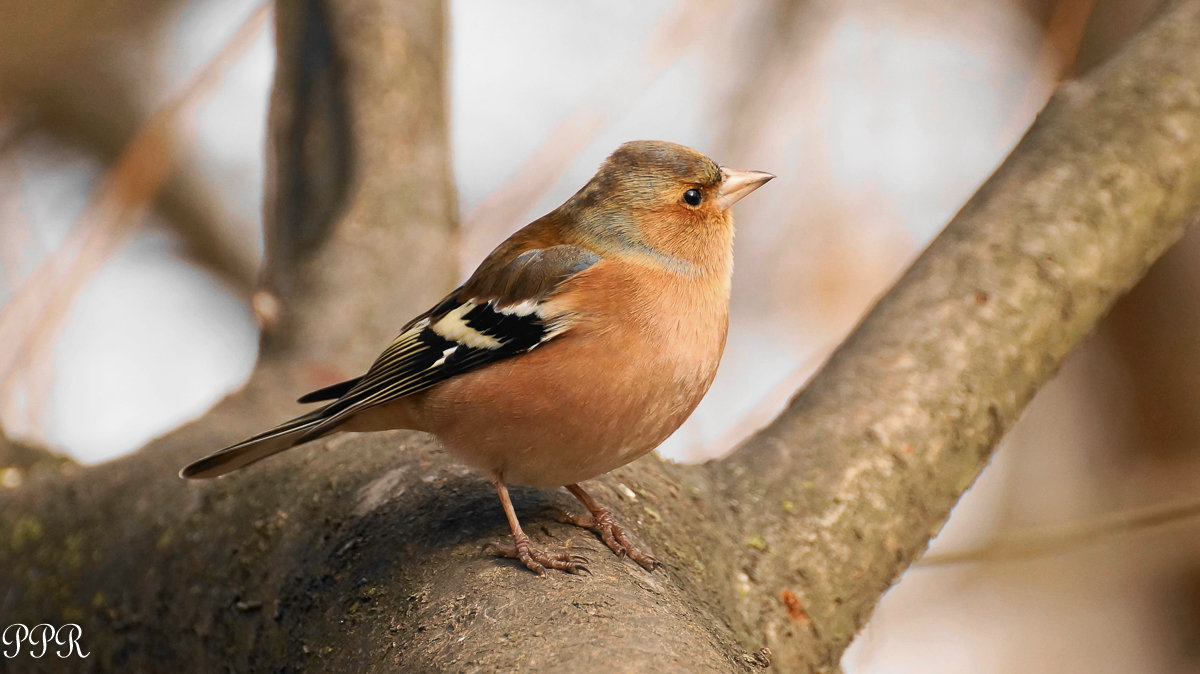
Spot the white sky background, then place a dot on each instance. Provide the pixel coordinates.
(906, 112)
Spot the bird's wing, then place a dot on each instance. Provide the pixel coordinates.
(329, 392)
(498, 313)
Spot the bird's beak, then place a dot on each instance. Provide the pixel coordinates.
(737, 183)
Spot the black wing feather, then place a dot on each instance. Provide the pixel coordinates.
(479, 323)
(422, 358)
(498, 313)
(329, 392)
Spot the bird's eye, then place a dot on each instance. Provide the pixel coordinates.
(692, 197)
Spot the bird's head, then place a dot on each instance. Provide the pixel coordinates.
(663, 199)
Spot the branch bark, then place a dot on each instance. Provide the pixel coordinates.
(908, 411)
(348, 555)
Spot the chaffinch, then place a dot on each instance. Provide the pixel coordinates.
(577, 346)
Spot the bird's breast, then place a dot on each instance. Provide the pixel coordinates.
(640, 356)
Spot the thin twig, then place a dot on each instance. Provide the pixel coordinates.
(1069, 537)
(30, 321)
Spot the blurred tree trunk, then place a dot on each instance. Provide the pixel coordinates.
(363, 553)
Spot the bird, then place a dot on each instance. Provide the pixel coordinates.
(578, 345)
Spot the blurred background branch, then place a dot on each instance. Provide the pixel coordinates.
(32, 317)
(1069, 536)
(359, 213)
(18, 459)
(71, 68)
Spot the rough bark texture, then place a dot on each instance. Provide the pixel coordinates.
(363, 553)
(907, 412)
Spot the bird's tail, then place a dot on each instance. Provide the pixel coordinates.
(256, 448)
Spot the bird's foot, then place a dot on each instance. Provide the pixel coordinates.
(535, 560)
(602, 522)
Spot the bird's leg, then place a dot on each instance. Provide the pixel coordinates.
(601, 521)
(534, 559)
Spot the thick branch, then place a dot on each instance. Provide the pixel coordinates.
(874, 453)
(349, 555)
(23, 457)
(360, 212)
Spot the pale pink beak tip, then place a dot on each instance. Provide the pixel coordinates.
(737, 183)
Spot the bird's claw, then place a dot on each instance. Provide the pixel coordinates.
(603, 523)
(536, 560)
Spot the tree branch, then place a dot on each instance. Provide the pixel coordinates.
(357, 137)
(879, 447)
(84, 90)
(348, 555)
